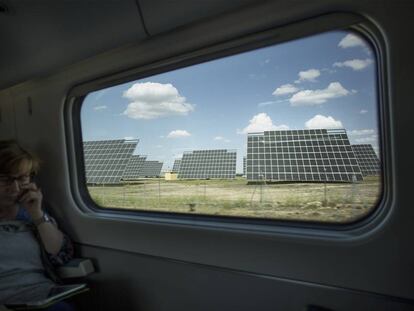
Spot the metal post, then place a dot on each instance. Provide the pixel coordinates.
(144, 192)
(254, 191)
(261, 189)
(353, 191)
(123, 195)
(325, 202)
(159, 191)
(103, 194)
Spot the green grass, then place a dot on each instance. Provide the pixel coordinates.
(299, 201)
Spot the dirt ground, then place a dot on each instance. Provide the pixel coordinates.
(330, 202)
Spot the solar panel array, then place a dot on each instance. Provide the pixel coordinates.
(301, 155)
(201, 164)
(150, 169)
(105, 160)
(176, 166)
(367, 159)
(133, 168)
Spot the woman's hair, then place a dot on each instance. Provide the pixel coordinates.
(12, 155)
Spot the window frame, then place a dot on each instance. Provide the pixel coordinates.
(247, 42)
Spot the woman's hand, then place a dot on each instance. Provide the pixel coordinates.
(31, 200)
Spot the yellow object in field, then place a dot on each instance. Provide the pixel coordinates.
(171, 176)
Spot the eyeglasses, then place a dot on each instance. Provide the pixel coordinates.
(22, 180)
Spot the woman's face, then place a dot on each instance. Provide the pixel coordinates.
(12, 184)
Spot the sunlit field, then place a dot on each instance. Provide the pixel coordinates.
(330, 202)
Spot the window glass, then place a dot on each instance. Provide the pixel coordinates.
(288, 131)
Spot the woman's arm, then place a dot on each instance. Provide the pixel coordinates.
(50, 235)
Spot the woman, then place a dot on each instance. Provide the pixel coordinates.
(30, 242)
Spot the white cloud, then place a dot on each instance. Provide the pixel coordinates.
(221, 138)
(260, 123)
(328, 70)
(367, 140)
(308, 75)
(285, 89)
(316, 97)
(154, 100)
(364, 136)
(363, 111)
(350, 41)
(268, 103)
(100, 107)
(322, 122)
(355, 64)
(361, 132)
(178, 133)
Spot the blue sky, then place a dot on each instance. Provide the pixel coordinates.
(323, 81)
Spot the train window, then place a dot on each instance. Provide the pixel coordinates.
(286, 132)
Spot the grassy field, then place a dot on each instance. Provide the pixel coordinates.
(337, 202)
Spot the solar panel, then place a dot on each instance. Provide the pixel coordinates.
(150, 169)
(133, 168)
(367, 159)
(176, 166)
(105, 160)
(301, 155)
(201, 164)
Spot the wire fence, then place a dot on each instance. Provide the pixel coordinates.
(234, 196)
